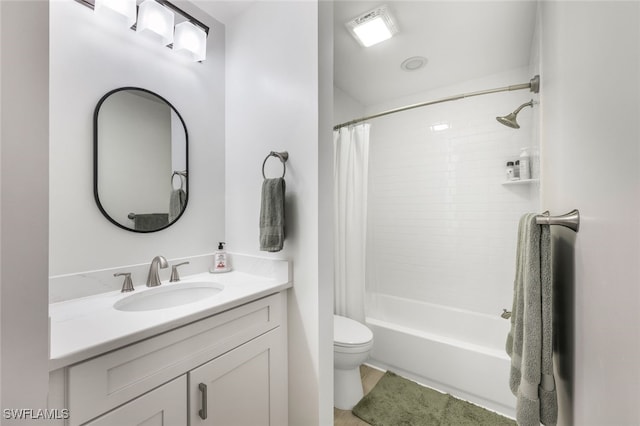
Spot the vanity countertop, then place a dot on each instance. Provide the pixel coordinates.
(90, 326)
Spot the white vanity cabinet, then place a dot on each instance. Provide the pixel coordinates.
(240, 388)
(164, 406)
(239, 356)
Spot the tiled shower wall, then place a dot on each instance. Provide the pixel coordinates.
(442, 224)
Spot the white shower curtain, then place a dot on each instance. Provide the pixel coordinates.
(350, 174)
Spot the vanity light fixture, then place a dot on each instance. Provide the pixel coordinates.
(157, 18)
(117, 10)
(373, 26)
(156, 21)
(191, 40)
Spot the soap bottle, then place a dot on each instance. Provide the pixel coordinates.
(220, 260)
(510, 170)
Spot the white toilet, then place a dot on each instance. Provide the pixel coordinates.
(352, 342)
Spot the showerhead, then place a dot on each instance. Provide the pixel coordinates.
(509, 120)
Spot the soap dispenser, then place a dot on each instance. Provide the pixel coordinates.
(221, 260)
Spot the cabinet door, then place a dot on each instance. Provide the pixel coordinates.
(244, 387)
(164, 406)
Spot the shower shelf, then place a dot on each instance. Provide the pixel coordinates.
(520, 182)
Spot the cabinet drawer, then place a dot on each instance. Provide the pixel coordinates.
(105, 382)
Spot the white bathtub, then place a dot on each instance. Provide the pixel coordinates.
(452, 350)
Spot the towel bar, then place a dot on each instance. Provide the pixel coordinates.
(283, 156)
(569, 220)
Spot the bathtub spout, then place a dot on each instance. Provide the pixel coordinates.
(505, 314)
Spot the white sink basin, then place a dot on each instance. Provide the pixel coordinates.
(168, 297)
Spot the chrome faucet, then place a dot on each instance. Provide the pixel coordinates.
(153, 280)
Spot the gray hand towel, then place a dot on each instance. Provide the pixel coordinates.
(272, 215)
(529, 343)
(177, 201)
(150, 221)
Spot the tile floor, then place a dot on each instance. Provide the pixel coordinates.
(370, 377)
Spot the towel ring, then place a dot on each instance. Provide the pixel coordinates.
(172, 181)
(283, 156)
(181, 175)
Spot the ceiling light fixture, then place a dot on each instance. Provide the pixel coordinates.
(373, 26)
(157, 18)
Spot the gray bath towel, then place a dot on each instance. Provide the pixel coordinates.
(529, 343)
(272, 215)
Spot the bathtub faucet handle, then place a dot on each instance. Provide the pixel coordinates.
(505, 314)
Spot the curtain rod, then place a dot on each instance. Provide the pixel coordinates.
(533, 85)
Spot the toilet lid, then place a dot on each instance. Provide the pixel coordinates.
(347, 332)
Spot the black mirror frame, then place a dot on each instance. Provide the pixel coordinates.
(95, 159)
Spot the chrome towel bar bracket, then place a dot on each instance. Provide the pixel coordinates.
(569, 220)
(283, 156)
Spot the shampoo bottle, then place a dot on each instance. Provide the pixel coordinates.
(221, 260)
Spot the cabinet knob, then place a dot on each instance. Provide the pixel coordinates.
(203, 411)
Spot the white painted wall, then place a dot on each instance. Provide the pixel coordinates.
(24, 155)
(88, 59)
(345, 108)
(442, 225)
(325, 211)
(273, 105)
(590, 99)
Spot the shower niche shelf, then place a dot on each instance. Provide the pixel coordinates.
(520, 182)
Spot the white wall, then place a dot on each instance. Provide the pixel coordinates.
(325, 212)
(88, 59)
(590, 99)
(273, 105)
(442, 225)
(24, 155)
(345, 108)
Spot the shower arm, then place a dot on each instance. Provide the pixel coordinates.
(533, 86)
(530, 104)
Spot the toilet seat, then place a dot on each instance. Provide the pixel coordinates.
(350, 334)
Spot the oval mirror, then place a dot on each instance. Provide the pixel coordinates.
(140, 160)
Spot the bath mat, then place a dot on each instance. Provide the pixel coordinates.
(396, 401)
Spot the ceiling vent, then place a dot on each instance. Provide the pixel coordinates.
(373, 26)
